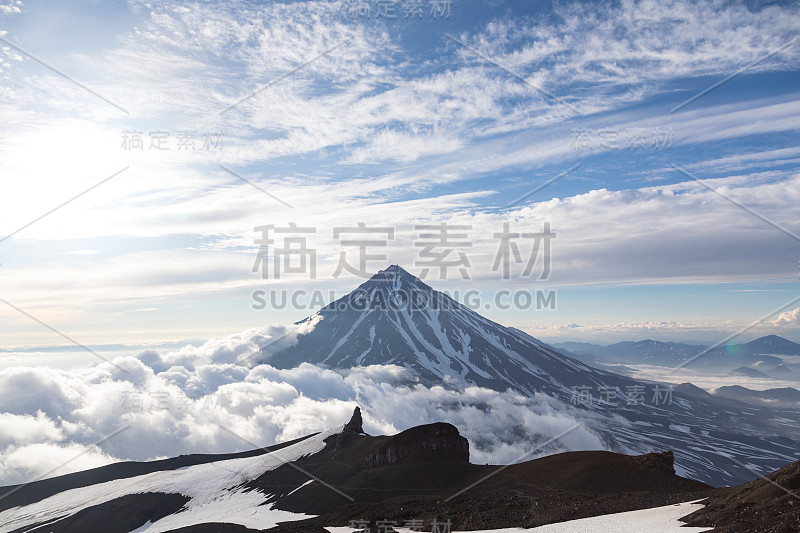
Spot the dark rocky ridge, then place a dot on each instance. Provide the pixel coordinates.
(414, 474)
(423, 473)
(550, 489)
(438, 442)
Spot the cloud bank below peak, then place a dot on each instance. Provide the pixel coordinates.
(212, 400)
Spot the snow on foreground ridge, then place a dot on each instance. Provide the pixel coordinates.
(214, 489)
(654, 520)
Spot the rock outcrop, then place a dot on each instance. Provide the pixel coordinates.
(440, 443)
(351, 430)
(354, 426)
(659, 460)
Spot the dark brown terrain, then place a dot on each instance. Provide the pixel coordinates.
(769, 505)
(424, 474)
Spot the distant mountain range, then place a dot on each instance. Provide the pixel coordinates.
(395, 318)
(343, 477)
(764, 353)
(787, 397)
(750, 372)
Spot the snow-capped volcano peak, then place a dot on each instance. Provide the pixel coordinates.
(395, 318)
(393, 271)
(393, 281)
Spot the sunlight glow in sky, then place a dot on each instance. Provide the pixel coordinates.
(329, 114)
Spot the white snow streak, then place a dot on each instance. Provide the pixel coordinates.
(214, 489)
(655, 520)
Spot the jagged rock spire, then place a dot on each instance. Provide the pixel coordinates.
(355, 424)
(351, 430)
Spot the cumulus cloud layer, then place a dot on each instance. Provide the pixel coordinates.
(788, 318)
(213, 398)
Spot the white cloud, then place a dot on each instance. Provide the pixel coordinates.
(706, 332)
(705, 380)
(198, 405)
(739, 162)
(683, 234)
(788, 318)
(83, 252)
(32, 461)
(218, 356)
(403, 147)
(606, 332)
(637, 41)
(453, 118)
(11, 6)
(27, 429)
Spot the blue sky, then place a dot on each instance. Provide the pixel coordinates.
(341, 116)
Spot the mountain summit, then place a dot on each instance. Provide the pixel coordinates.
(395, 318)
(773, 344)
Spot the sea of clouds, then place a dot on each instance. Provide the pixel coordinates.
(217, 398)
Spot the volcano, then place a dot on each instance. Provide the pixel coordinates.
(394, 318)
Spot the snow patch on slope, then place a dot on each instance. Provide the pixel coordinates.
(655, 520)
(214, 488)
